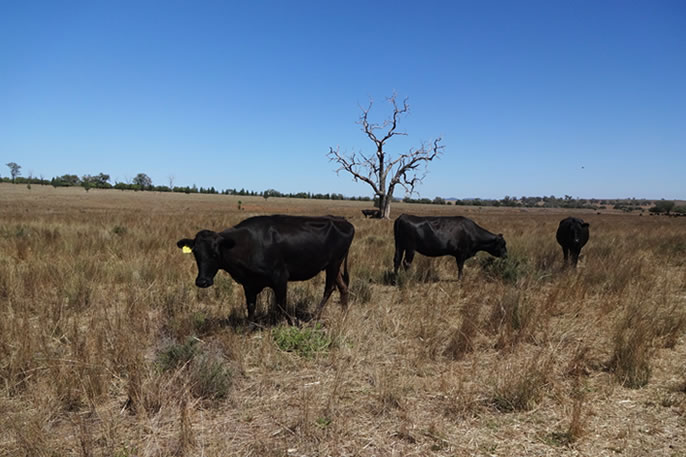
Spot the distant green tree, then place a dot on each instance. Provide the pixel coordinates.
(14, 170)
(662, 206)
(102, 180)
(143, 181)
(66, 180)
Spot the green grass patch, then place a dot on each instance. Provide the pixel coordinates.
(306, 342)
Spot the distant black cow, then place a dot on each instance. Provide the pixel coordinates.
(457, 236)
(572, 234)
(371, 213)
(269, 251)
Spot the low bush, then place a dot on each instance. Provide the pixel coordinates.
(509, 269)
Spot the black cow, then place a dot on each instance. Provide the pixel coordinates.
(457, 236)
(572, 234)
(269, 251)
(374, 213)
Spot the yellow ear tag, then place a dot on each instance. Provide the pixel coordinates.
(186, 250)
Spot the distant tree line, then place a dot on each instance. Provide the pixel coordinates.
(624, 204)
(142, 182)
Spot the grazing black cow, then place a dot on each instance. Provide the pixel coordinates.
(375, 213)
(437, 236)
(269, 251)
(572, 234)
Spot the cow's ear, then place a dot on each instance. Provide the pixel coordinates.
(500, 235)
(185, 243)
(585, 225)
(226, 243)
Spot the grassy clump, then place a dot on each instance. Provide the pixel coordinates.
(211, 377)
(208, 373)
(361, 291)
(425, 270)
(520, 386)
(632, 344)
(119, 230)
(177, 354)
(509, 269)
(306, 342)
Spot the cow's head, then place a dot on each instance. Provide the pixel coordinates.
(207, 248)
(579, 233)
(499, 248)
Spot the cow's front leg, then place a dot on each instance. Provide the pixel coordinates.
(575, 256)
(251, 299)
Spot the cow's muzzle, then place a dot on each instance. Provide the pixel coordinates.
(204, 282)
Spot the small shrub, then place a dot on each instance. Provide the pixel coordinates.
(210, 376)
(306, 342)
(177, 354)
(508, 269)
(119, 230)
(361, 291)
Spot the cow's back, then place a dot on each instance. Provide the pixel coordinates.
(434, 235)
(304, 245)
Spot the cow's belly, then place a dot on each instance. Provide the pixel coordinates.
(304, 272)
(435, 250)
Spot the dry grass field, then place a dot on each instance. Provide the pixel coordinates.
(107, 348)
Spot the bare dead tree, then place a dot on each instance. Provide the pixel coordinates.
(381, 170)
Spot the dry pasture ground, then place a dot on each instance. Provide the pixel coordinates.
(108, 349)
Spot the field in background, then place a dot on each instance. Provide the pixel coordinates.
(107, 347)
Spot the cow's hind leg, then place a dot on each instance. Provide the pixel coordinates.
(397, 259)
(332, 273)
(281, 302)
(460, 266)
(409, 257)
(342, 289)
(565, 252)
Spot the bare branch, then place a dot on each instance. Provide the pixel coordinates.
(405, 174)
(394, 121)
(351, 165)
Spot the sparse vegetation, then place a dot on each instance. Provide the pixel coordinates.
(108, 348)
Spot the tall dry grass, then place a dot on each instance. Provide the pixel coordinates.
(107, 347)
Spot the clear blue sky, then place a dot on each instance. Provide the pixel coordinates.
(253, 94)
